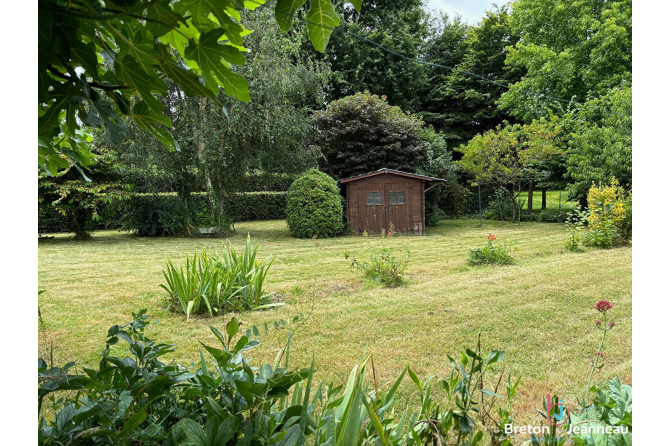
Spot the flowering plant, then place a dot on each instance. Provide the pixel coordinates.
(602, 306)
(491, 254)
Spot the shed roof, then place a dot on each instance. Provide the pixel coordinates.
(391, 171)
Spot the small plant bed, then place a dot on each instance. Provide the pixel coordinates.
(209, 283)
(491, 254)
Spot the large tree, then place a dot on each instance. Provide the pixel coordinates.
(462, 104)
(101, 63)
(446, 46)
(363, 132)
(601, 143)
(400, 25)
(571, 51)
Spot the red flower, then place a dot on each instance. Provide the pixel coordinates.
(603, 306)
(598, 323)
(611, 324)
(491, 237)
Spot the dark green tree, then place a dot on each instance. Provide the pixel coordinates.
(459, 104)
(363, 132)
(400, 25)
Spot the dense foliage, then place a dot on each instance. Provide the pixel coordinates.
(101, 63)
(457, 102)
(601, 142)
(314, 206)
(399, 25)
(363, 132)
(139, 399)
(570, 51)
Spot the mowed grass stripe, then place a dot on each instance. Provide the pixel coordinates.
(538, 310)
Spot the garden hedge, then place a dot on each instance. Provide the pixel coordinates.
(158, 214)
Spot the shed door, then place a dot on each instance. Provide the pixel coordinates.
(398, 206)
(373, 204)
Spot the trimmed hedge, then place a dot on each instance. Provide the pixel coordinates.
(314, 206)
(161, 214)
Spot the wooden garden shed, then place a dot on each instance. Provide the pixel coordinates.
(375, 200)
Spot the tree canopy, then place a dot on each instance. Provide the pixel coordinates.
(570, 51)
(508, 156)
(459, 103)
(401, 26)
(363, 132)
(101, 63)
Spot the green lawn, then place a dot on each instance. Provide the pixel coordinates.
(554, 197)
(538, 310)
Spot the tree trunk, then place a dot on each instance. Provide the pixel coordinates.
(544, 197)
(531, 186)
(211, 193)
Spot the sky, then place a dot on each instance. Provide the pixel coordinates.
(471, 10)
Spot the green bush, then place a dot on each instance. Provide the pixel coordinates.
(491, 254)
(157, 215)
(314, 206)
(607, 211)
(384, 268)
(209, 283)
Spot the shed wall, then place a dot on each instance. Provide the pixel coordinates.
(408, 217)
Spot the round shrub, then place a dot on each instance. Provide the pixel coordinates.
(314, 206)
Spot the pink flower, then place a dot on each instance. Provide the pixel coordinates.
(603, 306)
(598, 323)
(611, 324)
(389, 234)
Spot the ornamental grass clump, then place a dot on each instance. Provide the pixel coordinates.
(209, 284)
(491, 254)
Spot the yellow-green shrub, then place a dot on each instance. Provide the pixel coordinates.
(607, 215)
